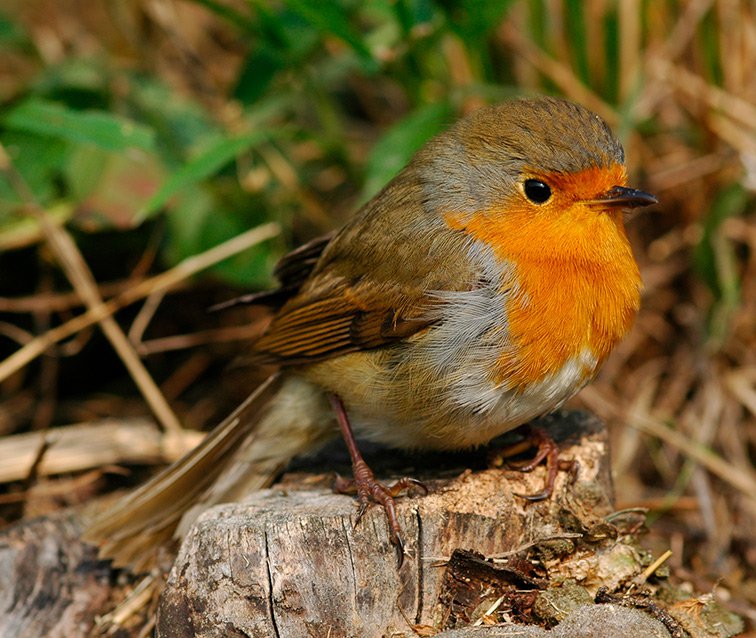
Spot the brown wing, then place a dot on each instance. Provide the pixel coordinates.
(293, 269)
(345, 320)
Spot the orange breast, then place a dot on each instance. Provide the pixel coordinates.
(563, 311)
(571, 285)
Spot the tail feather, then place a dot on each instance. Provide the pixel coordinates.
(282, 418)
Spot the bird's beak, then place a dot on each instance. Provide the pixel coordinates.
(623, 197)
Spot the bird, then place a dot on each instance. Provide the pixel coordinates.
(482, 287)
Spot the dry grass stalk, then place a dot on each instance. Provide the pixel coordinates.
(83, 446)
(163, 281)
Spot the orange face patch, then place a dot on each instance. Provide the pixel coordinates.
(576, 285)
(587, 184)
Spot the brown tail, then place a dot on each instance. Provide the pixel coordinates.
(283, 418)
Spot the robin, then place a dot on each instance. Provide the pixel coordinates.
(482, 287)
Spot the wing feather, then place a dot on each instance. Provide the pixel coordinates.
(312, 329)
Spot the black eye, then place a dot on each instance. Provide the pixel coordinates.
(537, 191)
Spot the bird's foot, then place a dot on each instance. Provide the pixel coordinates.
(367, 487)
(370, 490)
(546, 450)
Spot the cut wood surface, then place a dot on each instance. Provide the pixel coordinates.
(294, 564)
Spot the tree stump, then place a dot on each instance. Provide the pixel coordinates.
(289, 562)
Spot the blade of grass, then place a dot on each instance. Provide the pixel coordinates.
(744, 482)
(330, 18)
(630, 48)
(203, 165)
(99, 128)
(73, 448)
(558, 72)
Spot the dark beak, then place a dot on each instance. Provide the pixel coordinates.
(622, 197)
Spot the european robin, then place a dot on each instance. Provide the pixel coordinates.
(482, 287)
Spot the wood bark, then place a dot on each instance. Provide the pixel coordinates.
(297, 563)
(51, 584)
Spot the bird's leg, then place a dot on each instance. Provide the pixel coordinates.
(546, 449)
(368, 488)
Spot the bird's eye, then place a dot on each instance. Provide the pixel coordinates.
(537, 191)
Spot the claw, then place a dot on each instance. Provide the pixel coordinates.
(538, 496)
(399, 549)
(405, 484)
(363, 507)
(546, 450)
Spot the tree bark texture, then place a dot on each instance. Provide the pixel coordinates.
(297, 563)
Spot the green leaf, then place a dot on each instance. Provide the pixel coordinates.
(402, 141)
(179, 123)
(474, 19)
(21, 231)
(110, 189)
(239, 20)
(205, 164)
(249, 269)
(576, 33)
(40, 161)
(11, 33)
(84, 170)
(187, 221)
(286, 31)
(98, 128)
(411, 13)
(79, 83)
(716, 261)
(609, 83)
(729, 202)
(258, 71)
(199, 222)
(330, 18)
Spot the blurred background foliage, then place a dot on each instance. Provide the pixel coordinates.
(152, 130)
